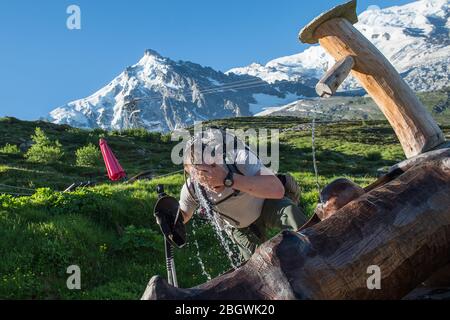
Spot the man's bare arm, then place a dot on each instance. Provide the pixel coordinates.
(260, 186)
(264, 186)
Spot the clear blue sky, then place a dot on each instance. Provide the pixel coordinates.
(44, 65)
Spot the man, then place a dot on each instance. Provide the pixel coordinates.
(245, 194)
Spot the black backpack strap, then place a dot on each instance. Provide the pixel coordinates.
(231, 167)
(195, 198)
(234, 194)
(237, 223)
(282, 178)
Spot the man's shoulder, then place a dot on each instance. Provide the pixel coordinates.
(247, 162)
(246, 156)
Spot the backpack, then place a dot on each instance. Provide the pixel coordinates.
(291, 188)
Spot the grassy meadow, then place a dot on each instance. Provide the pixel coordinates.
(109, 229)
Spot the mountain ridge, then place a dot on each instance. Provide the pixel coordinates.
(421, 47)
(160, 94)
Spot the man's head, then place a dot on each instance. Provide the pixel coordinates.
(195, 151)
(205, 147)
(212, 146)
(336, 195)
(207, 151)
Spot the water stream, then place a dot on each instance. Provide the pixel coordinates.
(313, 144)
(214, 220)
(199, 258)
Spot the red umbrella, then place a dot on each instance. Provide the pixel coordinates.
(115, 171)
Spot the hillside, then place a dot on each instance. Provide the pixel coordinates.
(109, 230)
(358, 108)
(139, 150)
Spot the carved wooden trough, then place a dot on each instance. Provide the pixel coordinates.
(401, 224)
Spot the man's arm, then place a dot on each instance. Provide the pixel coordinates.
(260, 186)
(187, 204)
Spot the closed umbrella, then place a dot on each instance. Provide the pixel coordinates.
(113, 167)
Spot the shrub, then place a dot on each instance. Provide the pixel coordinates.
(373, 156)
(166, 138)
(9, 120)
(88, 156)
(115, 133)
(99, 132)
(74, 130)
(137, 133)
(10, 149)
(44, 150)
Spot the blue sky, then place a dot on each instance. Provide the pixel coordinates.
(44, 65)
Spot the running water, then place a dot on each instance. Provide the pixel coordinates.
(199, 259)
(313, 138)
(213, 219)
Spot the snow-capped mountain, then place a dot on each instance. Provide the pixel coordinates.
(160, 94)
(414, 37)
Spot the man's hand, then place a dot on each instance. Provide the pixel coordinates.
(211, 176)
(259, 186)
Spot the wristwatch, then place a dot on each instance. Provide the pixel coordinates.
(228, 181)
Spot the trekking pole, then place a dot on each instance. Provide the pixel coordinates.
(170, 264)
(166, 210)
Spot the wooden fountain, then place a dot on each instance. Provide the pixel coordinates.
(401, 224)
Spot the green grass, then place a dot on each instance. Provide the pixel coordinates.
(136, 151)
(109, 230)
(438, 103)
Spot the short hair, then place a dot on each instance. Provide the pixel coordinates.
(217, 141)
(336, 187)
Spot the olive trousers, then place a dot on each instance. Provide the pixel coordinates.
(276, 213)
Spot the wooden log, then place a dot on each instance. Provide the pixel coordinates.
(403, 166)
(346, 11)
(330, 82)
(413, 125)
(440, 278)
(428, 156)
(402, 227)
(427, 293)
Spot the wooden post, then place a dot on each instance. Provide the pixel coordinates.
(414, 126)
(330, 82)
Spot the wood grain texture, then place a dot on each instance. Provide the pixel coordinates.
(346, 11)
(333, 78)
(414, 126)
(403, 227)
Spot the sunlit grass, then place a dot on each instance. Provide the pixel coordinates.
(109, 230)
